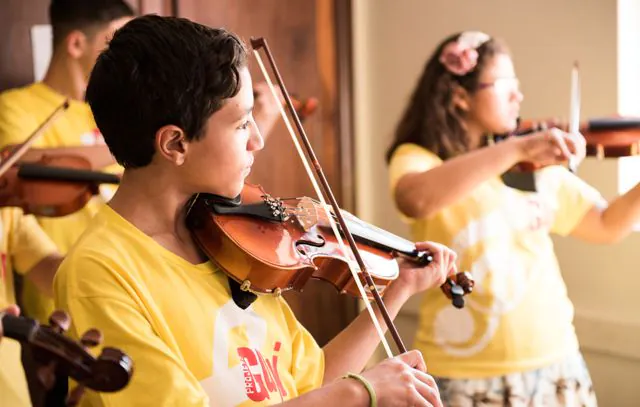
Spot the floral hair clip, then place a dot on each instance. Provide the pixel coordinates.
(461, 56)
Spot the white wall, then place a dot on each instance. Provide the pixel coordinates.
(393, 38)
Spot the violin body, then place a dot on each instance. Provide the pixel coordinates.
(54, 186)
(271, 246)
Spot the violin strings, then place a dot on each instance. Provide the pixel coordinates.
(313, 180)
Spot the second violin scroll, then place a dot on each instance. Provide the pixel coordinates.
(60, 358)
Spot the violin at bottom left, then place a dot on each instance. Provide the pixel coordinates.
(59, 358)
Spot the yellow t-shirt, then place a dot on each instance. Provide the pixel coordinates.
(21, 112)
(519, 316)
(190, 344)
(23, 246)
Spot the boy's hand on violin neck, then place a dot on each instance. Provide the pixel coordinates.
(414, 278)
(402, 381)
(552, 146)
(265, 110)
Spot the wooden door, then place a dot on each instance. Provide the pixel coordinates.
(302, 37)
(16, 19)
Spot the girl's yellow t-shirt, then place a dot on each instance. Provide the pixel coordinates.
(519, 316)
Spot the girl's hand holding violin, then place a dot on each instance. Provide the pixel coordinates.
(414, 279)
(550, 147)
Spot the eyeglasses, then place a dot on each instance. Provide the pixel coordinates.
(502, 85)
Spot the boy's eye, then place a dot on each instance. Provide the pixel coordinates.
(244, 125)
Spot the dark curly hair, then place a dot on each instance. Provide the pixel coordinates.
(158, 71)
(431, 120)
(87, 16)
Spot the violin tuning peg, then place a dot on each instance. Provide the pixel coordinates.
(60, 321)
(91, 338)
(457, 296)
(466, 281)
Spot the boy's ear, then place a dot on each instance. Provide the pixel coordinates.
(76, 43)
(171, 144)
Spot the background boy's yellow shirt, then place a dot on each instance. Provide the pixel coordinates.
(519, 316)
(21, 112)
(190, 344)
(23, 246)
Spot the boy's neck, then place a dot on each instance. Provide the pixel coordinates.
(156, 206)
(66, 77)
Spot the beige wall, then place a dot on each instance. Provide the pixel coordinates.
(392, 39)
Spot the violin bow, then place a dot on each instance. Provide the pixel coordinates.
(21, 149)
(574, 109)
(261, 43)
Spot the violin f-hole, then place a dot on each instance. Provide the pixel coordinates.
(313, 243)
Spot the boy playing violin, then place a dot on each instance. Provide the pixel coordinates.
(174, 102)
(80, 29)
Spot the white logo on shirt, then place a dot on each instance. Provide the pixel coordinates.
(256, 377)
(499, 271)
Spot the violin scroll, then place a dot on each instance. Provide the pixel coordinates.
(455, 288)
(59, 357)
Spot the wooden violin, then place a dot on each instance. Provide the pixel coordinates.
(98, 155)
(54, 184)
(270, 245)
(606, 137)
(285, 242)
(59, 358)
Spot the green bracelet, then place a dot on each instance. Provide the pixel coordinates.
(367, 385)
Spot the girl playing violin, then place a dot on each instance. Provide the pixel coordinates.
(180, 123)
(515, 343)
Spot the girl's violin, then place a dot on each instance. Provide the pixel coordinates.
(53, 186)
(271, 245)
(59, 358)
(606, 137)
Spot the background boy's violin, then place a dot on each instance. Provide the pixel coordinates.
(55, 184)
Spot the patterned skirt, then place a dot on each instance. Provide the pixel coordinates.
(564, 384)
